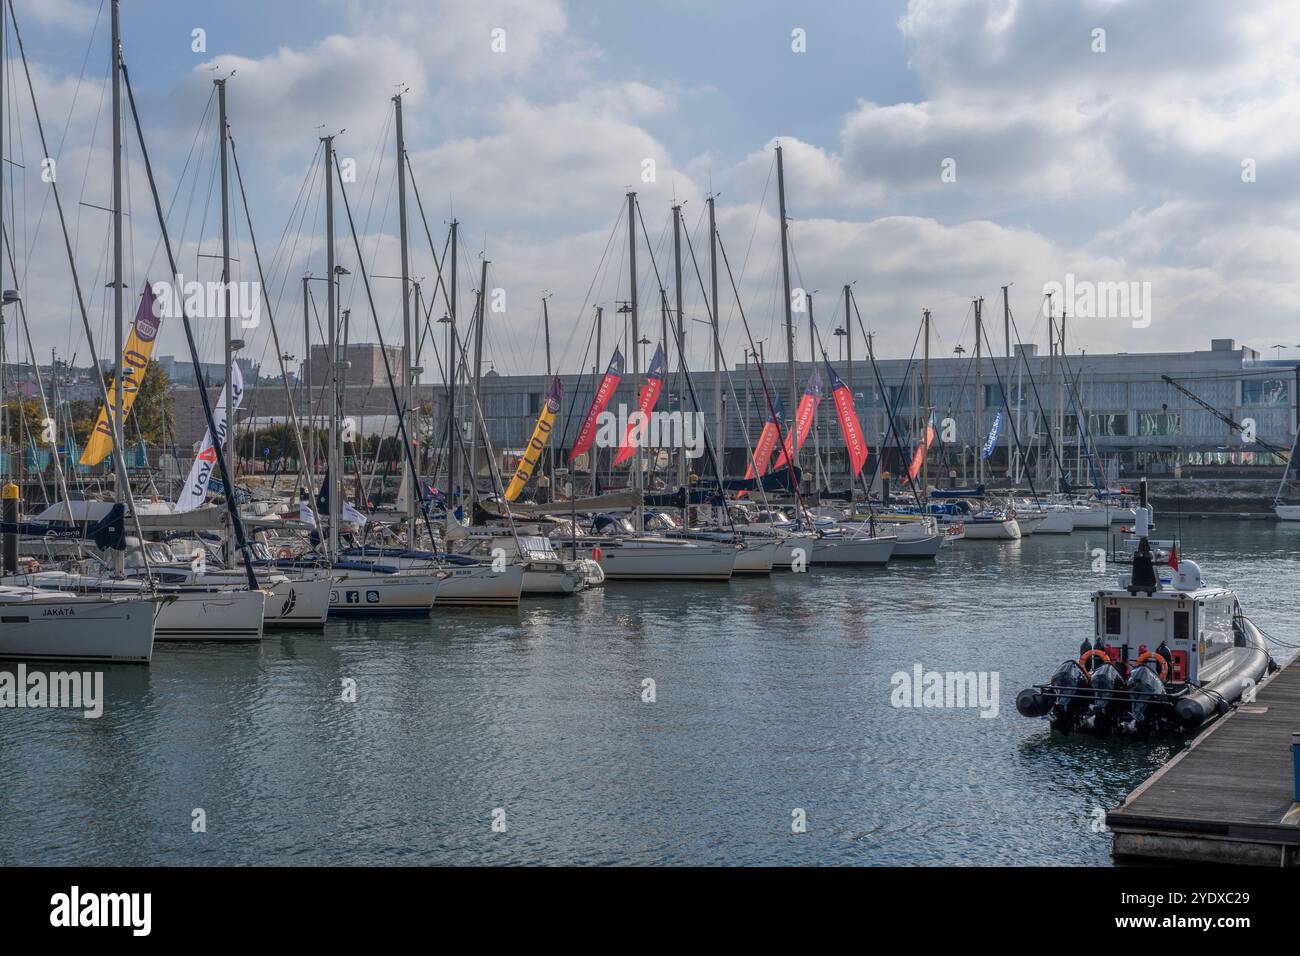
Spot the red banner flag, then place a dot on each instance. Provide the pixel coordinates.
(918, 457)
(608, 385)
(848, 416)
(803, 419)
(654, 381)
(767, 440)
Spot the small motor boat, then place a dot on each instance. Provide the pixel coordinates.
(1167, 655)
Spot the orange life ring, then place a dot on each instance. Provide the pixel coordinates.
(598, 553)
(284, 552)
(1147, 655)
(1088, 655)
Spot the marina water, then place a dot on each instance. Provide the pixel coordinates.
(771, 697)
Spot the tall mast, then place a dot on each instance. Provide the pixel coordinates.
(335, 466)
(1006, 334)
(848, 335)
(595, 448)
(979, 392)
(549, 467)
(119, 449)
(1051, 353)
(478, 378)
(122, 485)
(925, 461)
(636, 360)
(229, 450)
(812, 357)
(453, 365)
(719, 427)
(310, 465)
(681, 340)
(406, 308)
(789, 317)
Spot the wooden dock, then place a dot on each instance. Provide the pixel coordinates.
(1229, 797)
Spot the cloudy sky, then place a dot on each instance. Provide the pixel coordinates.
(935, 151)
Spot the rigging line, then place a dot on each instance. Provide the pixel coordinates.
(681, 359)
(232, 508)
(270, 314)
(60, 477)
(1042, 412)
(383, 352)
(1015, 431)
(781, 435)
(76, 92)
(119, 461)
(891, 408)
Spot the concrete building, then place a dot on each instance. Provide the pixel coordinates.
(1136, 422)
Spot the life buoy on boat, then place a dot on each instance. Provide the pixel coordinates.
(1088, 655)
(284, 552)
(1147, 655)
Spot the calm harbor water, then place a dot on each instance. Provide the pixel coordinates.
(771, 695)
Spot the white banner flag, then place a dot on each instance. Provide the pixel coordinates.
(196, 485)
(353, 516)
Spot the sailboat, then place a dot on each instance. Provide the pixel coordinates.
(210, 613)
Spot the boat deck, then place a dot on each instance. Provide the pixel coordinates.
(1229, 797)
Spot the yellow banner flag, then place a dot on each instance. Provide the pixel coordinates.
(135, 360)
(541, 434)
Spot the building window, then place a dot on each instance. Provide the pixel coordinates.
(1160, 423)
(534, 402)
(1265, 391)
(993, 396)
(1108, 423)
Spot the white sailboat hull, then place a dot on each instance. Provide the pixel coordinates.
(919, 548)
(299, 602)
(1030, 523)
(1287, 512)
(294, 599)
(1056, 522)
(639, 560)
(854, 550)
(196, 613)
(1005, 530)
(793, 546)
(480, 586)
(213, 615)
(756, 557)
(1091, 520)
(62, 627)
(361, 593)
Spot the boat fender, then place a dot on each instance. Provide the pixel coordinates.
(598, 553)
(1149, 655)
(1083, 660)
(1032, 703)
